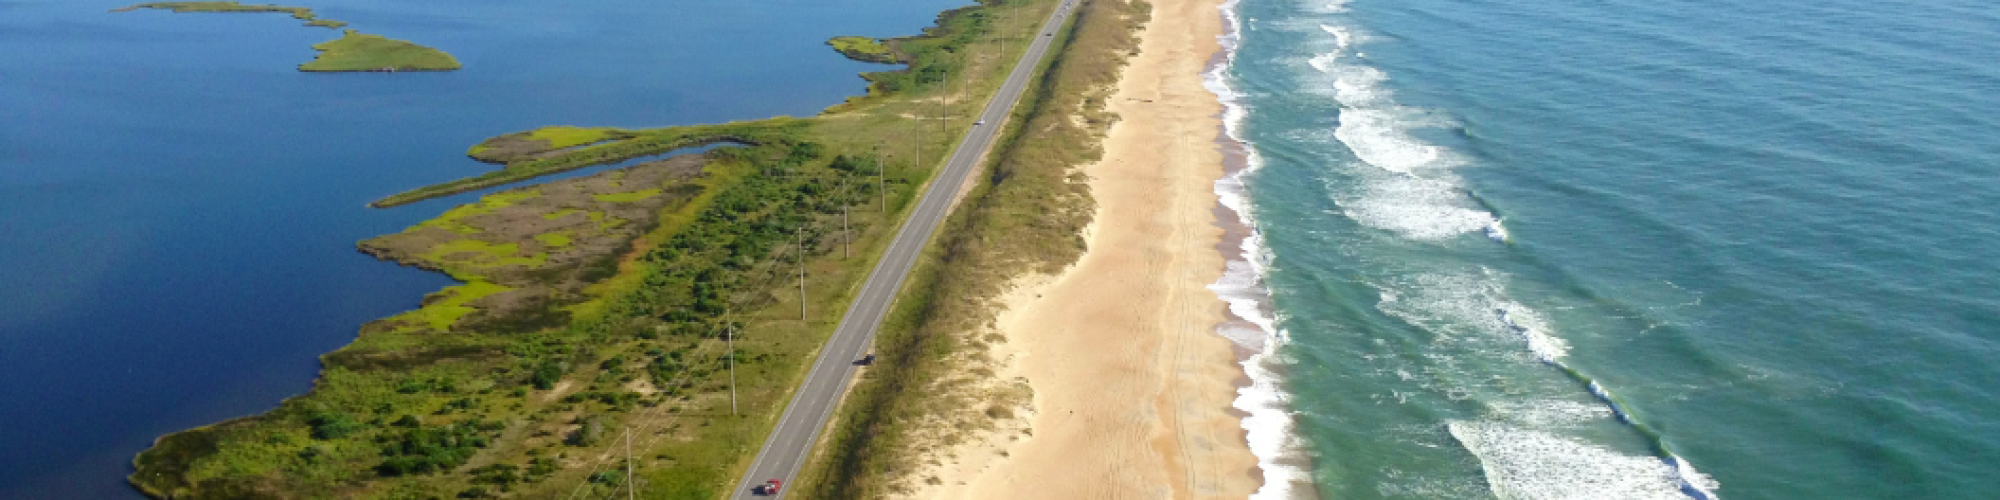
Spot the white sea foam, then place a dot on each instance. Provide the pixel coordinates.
(1471, 305)
(1269, 427)
(1421, 199)
(1405, 184)
(1415, 208)
(1548, 414)
(1528, 464)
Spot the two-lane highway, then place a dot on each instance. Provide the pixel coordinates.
(789, 444)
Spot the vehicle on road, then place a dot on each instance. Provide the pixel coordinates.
(866, 360)
(768, 488)
(978, 123)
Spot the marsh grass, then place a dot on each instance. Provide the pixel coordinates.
(300, 13)
(642, 346)
(355, 51)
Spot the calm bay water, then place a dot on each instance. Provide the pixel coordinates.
(1632, 249)
(180, 206)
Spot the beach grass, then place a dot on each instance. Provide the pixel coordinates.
(356, 51)
(1026, 216)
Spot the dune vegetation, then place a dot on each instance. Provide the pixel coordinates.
(932, 387)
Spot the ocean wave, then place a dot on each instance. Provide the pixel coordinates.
(1419, 198)
(1268, 426)
(1530, 464)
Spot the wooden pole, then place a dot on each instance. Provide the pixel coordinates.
(802, 273)
(729, 333)
(631, 487)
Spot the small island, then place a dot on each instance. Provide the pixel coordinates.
(353, 51)
(300, 13)
(363, 52)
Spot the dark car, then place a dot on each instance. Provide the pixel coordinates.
(866, 360)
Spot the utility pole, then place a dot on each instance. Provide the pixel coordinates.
(729, 333)
(631, 487)
(846, 238)
(882, 176)
(802, 273)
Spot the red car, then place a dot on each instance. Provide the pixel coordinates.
(768, 488)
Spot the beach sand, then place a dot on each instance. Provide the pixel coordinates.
(1132, 386)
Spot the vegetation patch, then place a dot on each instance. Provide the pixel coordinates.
(1026, 217)
(861, 48)
(639, 144)
(353, 51)
(361, 52)
(557, 239)
(541, 143)
(581, 318)
(300, 13)
(629, 196)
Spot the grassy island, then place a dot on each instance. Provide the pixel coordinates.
(605, 306)
(353, 51)
(362, 52)
(300, 13)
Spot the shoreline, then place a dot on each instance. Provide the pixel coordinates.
(1266, 420)
(1160, 242)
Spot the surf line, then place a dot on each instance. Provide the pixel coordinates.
(1692, 482)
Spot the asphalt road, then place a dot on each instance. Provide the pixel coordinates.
(786, 450)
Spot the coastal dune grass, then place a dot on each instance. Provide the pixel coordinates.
(1025, 217)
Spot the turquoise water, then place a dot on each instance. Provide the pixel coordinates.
(1628, 249)
(180, 206)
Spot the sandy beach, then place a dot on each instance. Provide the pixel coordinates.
(1132, 386)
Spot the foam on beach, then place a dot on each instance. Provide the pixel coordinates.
(1269, 426)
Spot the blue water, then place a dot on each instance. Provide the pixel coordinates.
(1631, 249)
(180, 206)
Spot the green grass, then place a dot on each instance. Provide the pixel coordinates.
(439, 315)
(300, 13)
(478, 253)
(356, 51)
(727, 257)
(642, 143)
(627, 197)
(862, 48)
(563, 136)
(1025, 217)
(555, 240)
(353, 51)
(450, 219)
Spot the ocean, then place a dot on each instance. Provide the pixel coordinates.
(180, 205)
(1619, 249)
